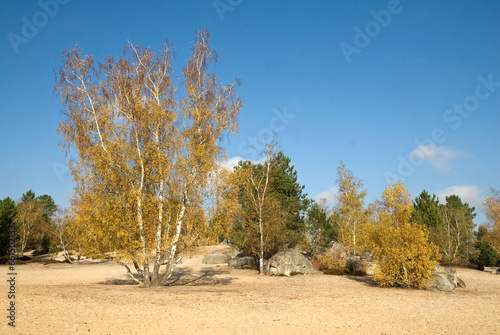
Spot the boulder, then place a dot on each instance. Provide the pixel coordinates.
(242, 262)
(444, 279)
(338, 250)
(287, 263)
(216, 258)
(233, 253)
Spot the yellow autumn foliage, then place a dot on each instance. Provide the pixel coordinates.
(350, 208)
(401, 248)
(148, 152)
(492, 209)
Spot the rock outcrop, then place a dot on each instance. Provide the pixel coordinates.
(444, 279)
(242, 262)
(216, 258)
(288, 263)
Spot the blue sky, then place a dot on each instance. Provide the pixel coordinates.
(406, 89)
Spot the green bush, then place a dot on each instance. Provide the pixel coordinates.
(486, 256)
(53, 248)
(45, 244)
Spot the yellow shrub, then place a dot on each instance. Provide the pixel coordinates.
(332, 264)
(404, 256)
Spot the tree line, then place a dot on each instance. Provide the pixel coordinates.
(149, 183)
(262, 208)
(35, 220)
(408, 236)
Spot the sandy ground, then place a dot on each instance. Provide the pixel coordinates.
(99, 298)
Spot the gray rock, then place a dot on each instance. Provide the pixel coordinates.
(216, 258)
(242, 262)
(233, 253)
(444, 279)
(287, 263)
(461, 283)
(338, 250)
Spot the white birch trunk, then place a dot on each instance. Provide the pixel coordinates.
(143, 241)
(261, 231)
(171, 257)
(158, 238)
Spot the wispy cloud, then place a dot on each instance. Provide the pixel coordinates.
(330, 197)
(468, 193)
(437, 157)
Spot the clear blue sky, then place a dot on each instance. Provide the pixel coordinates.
(394, 89)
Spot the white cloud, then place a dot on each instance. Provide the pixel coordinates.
(468, 193)
(438, 157)
(329, 196)
(230, 163)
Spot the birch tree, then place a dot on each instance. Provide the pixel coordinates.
(29, 218)
(492, 210)
(401, 247)
(352, 214)
(146, 150)
(455, 236)
(226, 207)
(260, 213)
(58, 230)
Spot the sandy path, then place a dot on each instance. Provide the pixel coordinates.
(209, 299)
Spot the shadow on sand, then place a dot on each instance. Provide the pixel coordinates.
(366, 280)
(183, 277)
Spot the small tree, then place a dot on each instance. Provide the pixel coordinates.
(492, 209)
(350, 207)
(225, 208)
(426, 210)
(404, 256)
(7, 219)
(59, 230)
(322, 231)
(260, 213)
(455, 236)
(29, 218)
(286, 189)
(484, 254)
